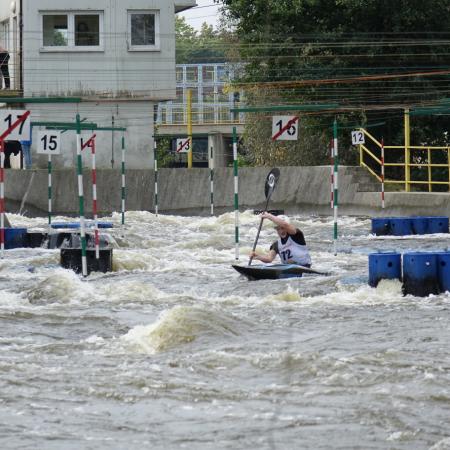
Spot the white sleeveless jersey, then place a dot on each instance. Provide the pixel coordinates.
(293, 253)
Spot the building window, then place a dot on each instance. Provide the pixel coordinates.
(72, 31)
(56, 31)
(87, 30)
(143, 30)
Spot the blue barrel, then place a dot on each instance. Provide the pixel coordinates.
(381, 226)
(384, 266)
(15, 238)
(420, 274)
(419, 225)
(400, 226)
(437, 225)
(443, 265)
(75, 225)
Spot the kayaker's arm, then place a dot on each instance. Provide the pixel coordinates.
(267, 258)
(290, 229)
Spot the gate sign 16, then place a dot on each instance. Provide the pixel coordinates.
(284, 128)
(358, 138)
(49, 142)
(183, 145)
(8, 117)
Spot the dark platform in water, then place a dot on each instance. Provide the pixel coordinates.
(274, 271)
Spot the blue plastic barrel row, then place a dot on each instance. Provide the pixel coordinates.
(403, 226)
(422, 273)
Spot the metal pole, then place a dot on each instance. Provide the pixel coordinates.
(112, 142)
(332, 174)
(211, 173)
(81, 199)
(155, 159)
(236, 194)
(336, 185)
(124, 192)
(189, 126)
(94, 200)
(407, 151)
(2, 197)
(50, 209)
(382, 173)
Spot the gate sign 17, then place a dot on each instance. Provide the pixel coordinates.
(358, 138)
(8, 117)
(49, 142)
(284, 128)
(183, 145)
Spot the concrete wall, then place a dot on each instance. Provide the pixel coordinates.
(300, 189)
(136, 117)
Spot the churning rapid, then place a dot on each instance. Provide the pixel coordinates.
(175, 350)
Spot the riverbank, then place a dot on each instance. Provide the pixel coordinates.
(183, 191)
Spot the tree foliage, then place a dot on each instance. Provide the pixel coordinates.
(340, 47)
(198, 47)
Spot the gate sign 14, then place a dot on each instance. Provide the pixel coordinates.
(358, 138)
(284, 128)
(183, 145)
(8, 117)
(49, 142)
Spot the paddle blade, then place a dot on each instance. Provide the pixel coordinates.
(271, 182)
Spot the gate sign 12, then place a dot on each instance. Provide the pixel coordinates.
(183, 145)
(284, 128)
(358, 138)
(8, 117)
(49, 142)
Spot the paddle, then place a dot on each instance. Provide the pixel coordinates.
(271, 182)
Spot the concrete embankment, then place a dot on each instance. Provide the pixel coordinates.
(183, 191)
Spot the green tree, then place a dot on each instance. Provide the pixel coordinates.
(285, 42)
(198, 47)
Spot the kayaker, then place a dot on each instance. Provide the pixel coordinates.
(290, 246)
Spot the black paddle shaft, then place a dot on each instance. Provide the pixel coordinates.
(269, 187)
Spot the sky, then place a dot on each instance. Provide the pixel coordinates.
(206, 11)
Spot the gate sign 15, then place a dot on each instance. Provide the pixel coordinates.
(284, 128)
(358, 138)
(49, 142)
(8, 117)
(183, 145)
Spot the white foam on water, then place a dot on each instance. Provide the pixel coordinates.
(180, 325)
(444, 444)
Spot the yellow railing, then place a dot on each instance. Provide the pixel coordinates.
(408, 158)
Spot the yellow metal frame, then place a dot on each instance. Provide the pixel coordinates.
(407, 149)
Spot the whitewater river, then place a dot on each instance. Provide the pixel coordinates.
(175, 350)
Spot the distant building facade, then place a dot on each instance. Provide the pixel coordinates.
(213, 97)
(117, 56)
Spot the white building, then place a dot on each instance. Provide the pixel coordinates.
(118, 56)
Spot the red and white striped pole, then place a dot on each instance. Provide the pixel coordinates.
(382, 173)
(91, 144)
(2, 197)
(332, 173)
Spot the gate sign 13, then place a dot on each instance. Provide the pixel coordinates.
(183, 145)
(8, 117)
(284, 128)
(49, 142)
(358, 137)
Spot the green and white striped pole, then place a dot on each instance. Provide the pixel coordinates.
(81, 199)
(155, 158)
(211, 177)
(236, 194)
(336, 184)
(124, 192)
(49, 166)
